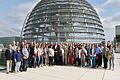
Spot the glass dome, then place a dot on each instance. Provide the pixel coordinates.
(63, 21)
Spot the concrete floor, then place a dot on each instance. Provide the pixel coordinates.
(66, 73)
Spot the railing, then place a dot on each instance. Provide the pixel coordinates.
(2, 59)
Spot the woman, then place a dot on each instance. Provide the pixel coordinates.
(40, 56)
(17, 59)
(77, 61)
(46, 52)
(92, 54)
(71, 54)
(111, 58)
(35, 55)
(51, 56)
(25, 58)
(82, 54)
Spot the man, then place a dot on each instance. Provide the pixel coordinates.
(98, 55)
(105, 55)
(60, 56)
(14, 46)
(56, 56)
(17, 43)
(25, 57)
(108, 44)
(9, 58)
(31, 55)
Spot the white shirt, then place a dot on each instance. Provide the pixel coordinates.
(25, 53)
(35, 50)
(51, 52)
(80, 52)
(62, 51)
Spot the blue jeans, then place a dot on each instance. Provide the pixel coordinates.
(29, 62)
(61, 60)
(51, 60)
(111, 62)
(40, 58)
(93, 61)
(17, 66)
(25, 63)
(35, 59)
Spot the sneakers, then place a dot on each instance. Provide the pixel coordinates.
(7, 72)
(113, 69)
(34, 67)
(109, 69)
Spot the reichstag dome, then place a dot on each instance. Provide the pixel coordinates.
(63, 21)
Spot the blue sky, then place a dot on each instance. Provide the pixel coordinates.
(13, 13)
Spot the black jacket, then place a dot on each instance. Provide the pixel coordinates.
(32, 51)
(8, 55)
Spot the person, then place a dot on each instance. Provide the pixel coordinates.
(56, 56)
(98, 55)
(66, 55)
(101, 47)
(17, 43)
(60, 55)
(63, 52)
(111, 58)
(82, 54)
(9, 53)
(71, 54)
(77, 61)
(25, 57)
(21, 47)
(25, 41)
(105, 55)
(35, 55)
(40, 56)
(14, 46)
(14, 49)
(31, 56)
(92, 54)
(108, 44)
(29, 62)
(46, 51)
(51, 56)
(17, 59)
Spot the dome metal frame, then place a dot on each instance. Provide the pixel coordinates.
(63, 21)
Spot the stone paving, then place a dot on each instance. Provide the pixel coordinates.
(65, 73)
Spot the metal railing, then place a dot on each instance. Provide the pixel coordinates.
(2, 59)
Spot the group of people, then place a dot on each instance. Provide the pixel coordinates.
(20, 57)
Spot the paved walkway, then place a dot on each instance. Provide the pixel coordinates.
(66, 73)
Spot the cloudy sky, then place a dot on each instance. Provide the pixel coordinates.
(13, 13)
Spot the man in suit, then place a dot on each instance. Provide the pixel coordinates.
(56, 56)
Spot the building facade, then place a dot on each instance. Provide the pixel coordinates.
(117, 38)
(8, 40)
(63, 21)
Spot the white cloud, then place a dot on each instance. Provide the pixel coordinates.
(113, 3)
(109, 26)
(19, 12)
(15, 19)
(99, 9)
